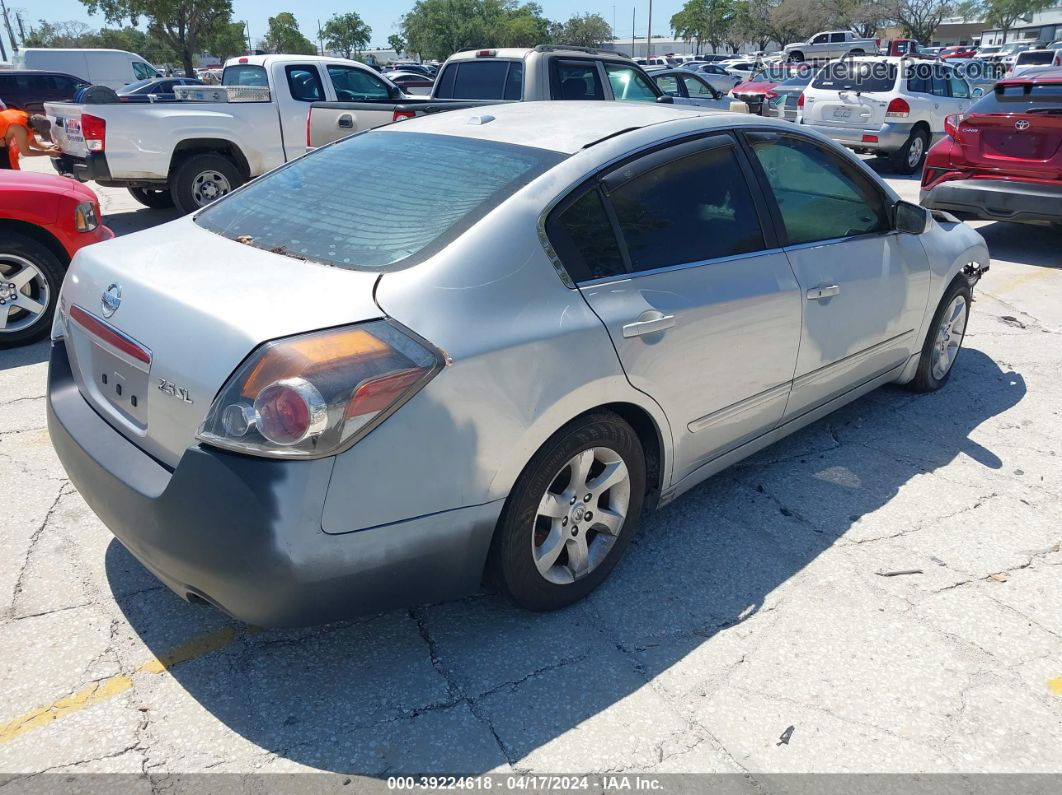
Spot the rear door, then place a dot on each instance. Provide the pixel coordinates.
(672, 253)
(864, 285)
(352, 84)
(576, 79)
(295, 87)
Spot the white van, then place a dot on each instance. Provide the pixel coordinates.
(114, 68)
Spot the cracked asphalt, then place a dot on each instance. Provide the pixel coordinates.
(760, 601)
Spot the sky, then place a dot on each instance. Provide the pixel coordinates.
(383, 16)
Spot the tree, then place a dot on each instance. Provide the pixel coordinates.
(867, 17)
(439, 28)
(704, 20)
(919, 19)
(180, 24)
(58, 34)
(794, 20)
(135, 40)
(227, 41)
(396, 43)
(346, 33)
(588, 30)
(1002, 14)
(283, 35)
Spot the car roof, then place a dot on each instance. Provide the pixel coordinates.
(1049, 76)
(561, 126)
(47, 72)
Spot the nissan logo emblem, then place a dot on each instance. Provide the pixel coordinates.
(1021, 124)
(111, 300)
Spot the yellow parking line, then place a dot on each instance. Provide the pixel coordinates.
(1055, 685)
(108, 688)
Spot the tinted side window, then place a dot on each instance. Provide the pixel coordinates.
(688, 210)
(7, 84)
(695, 88)
(835, 37)
(958, 86)
(142, 70)
(629, 84)
(939, 87)
(514, 81)
(820, 195)
(823, 39)
(584, 240)
(354, 85)
(305, 83)
(576, 80)
(669, 85)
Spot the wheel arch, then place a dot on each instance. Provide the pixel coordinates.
(39, 234)
(210, 146)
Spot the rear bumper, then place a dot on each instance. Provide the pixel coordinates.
(997, 200)
(890, 137)
(91, 168)
(244, 533)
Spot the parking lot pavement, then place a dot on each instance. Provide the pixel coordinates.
(759, 601)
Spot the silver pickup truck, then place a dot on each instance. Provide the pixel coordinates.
(481, 77)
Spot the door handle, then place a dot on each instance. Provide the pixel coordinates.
(818, 293)
(648, 323)
(346, 121)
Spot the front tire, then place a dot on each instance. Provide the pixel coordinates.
(944, 340)
(908, 159)
(201, 179)
(30, 278)
(571, 514)
(155, 198)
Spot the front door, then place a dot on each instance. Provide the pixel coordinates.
(672, 253)
(865, 286)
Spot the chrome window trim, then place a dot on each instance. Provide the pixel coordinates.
(835, 240)
(626, 277)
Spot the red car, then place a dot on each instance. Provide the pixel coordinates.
(1002, 159)
(44, 220)
(956, 52)
(753, 92)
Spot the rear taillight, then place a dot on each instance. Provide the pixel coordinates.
(94, 130)
(402, 114)
(800, 101)
(317, 394)
(898, 109)
(952, 126)
(770, 95)
(308, 114)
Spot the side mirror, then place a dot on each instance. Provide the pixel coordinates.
(977, 92)
(666, 99)
(910, 218)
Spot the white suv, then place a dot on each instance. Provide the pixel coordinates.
(886, 106)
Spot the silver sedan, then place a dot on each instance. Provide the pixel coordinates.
(482, 344)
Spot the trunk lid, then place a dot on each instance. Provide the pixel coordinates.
(186, 308)
(66, 127)
(1029, 143)
(849, 109)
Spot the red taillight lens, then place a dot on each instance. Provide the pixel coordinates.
(952, 126)
(770, 95)
(317, 394)
(800, 101)
(486, 53)
(898, 109)
(94, 129)
(402, 114)
(870, 139)
(308, 114)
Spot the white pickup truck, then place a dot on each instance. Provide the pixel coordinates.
(830, 44)
(187, 153)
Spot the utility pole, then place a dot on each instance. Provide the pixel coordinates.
(10, 33)
(634, 35)
(320, 38)
(649, 33)
(247, 31)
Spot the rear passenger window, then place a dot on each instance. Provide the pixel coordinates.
(820, 196)
(305, 83)
(576, 80)
(584, 240)
(688, 210)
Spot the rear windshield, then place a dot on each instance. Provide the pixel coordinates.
(244, 75)
(376, 201)
(865, 77)
(1021, 98)
(481, 80)
(1026, 58)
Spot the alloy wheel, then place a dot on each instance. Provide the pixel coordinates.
(949, 337)
(24, 293)
(581, 515)
(914, 154)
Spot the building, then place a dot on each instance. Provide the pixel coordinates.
(1043, 27)
(637, 48)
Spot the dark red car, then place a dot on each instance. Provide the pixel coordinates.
(44, 220)
(949, 53)
(1002, 159)
(753, 92)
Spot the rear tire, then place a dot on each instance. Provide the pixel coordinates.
(944, 339)
(155, 198)
(910, 157)
(796, 56)
(548, 510)
(30, 278)
(201, 179)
